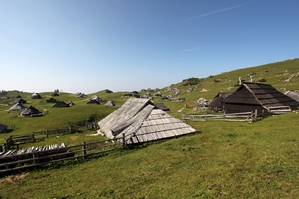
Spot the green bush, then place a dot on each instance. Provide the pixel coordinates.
(262, 80)
(191, 81)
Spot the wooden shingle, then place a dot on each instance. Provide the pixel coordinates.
(141, 121)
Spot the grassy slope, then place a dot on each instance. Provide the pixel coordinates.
(55, 118)
(274, 73)
(226, 160)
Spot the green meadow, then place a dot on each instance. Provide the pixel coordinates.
(222, 160)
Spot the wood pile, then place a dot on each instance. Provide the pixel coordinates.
(31, 150)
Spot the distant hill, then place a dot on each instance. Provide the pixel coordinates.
(282, 75)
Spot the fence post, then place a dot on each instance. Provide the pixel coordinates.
(84, 149)
(47, 133)
(224, 117)
(255, 114)
(33, 156)
(32, 135)
(124, 142)
(70, 130)
(9, 142)
(206, 118)
(5, 146)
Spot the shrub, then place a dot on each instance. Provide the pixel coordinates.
(262, 80)
(191, 81)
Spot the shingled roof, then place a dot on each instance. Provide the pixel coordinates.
(293, 94)
(19, 100)
(60, 104)
(17, 107)
(162, 107)
(218, 102)
(139, 120)
(2, 128)
(31, 111)
(251, 96)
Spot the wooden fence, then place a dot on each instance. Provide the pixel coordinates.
(15, 140)
(276, 110)
(41, 158)
(231, 117)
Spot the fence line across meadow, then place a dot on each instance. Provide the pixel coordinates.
(229, 117)
(35, 159)
(16, 140)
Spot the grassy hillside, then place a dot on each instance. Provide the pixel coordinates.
(275, 74)
(55, 118)
(224, 160)
(281, 75)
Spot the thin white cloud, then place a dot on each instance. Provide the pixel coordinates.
(190, 49)
(213, 12)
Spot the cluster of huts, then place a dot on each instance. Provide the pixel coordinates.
(139, 120)
(18, 105)
(97, 100)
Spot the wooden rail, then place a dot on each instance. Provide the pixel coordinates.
(16, 140)
(40, 158)
(276, 110)
(231, 117)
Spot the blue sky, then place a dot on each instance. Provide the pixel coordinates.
(125, 45)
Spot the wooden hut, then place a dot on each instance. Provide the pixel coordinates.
(110, 103)
(3, 128)
(19, 100)
(17, 107)
(217, 103)
(55, 94)
(162, 107)
(36, 96)
(80, 95)
(31, 111)
(139, 120)
(256, 96)
(293, 94)
(51, 100)
(93, 102)
(97, 98)
(60, 104)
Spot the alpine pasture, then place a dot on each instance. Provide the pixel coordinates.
(222, 160)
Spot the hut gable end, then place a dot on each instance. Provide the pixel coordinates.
(256, 96)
